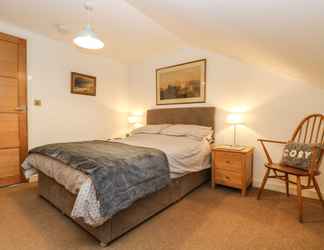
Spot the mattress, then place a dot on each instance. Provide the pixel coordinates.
(185, 155)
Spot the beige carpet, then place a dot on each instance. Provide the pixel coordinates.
(205, 219)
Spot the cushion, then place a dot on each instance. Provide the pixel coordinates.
(150, 129)
(299, 155)
(194, 131)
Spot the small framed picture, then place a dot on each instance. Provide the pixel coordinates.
(182, 83)
(83, 84)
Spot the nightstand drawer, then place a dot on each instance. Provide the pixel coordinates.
(229, 178)
(228, 161)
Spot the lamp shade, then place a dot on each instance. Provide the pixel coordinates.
(134, 119)
(88, 39)
(235, 119)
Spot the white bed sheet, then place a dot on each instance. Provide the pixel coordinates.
(184, 154)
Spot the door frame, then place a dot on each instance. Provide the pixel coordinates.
(22, 100)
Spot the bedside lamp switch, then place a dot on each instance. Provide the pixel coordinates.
(37, 102)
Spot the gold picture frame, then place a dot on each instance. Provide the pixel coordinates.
(181, 83)
(83, 84)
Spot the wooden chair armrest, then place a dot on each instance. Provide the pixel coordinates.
(262, 141)
(272, 141)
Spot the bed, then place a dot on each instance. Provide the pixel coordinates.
(180, 185)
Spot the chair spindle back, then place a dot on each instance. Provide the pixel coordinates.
(310, 130)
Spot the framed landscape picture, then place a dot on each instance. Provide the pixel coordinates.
(83, 84)
(182, 83)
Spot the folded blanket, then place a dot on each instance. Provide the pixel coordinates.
(121, 173)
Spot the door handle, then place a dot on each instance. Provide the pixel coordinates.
(21, 108)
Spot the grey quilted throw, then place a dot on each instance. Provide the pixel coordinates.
(121, 173)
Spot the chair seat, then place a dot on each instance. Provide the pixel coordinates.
(289, 170)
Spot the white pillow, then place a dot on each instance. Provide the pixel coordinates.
(150, 129)
(194, 131)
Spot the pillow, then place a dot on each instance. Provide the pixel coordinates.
(194, 131)
(150, 129)
(299, 155)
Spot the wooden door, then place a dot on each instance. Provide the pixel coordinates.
(13, 111)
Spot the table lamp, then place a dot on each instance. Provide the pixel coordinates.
(135, 120)
(235, 119)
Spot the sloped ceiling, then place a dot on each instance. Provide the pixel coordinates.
(128, 34)
(286, 36)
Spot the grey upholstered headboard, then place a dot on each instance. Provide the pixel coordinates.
(204, 116)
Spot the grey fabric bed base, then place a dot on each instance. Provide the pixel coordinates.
(130, 217)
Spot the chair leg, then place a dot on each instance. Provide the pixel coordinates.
(300, 199)
(318, 190)
(287, 184)
(263, 183)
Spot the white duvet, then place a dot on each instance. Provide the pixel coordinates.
(184, 155)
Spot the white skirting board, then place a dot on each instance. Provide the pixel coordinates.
(273, 185)
(279, 186)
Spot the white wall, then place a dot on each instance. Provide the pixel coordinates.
(273, 105)
(64, 116)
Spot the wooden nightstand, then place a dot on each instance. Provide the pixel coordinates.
(233, 168)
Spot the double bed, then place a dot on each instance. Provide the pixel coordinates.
(188, 167)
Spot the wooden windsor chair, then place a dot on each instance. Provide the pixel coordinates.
(310, 131)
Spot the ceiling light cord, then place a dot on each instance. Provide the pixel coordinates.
(89, 8)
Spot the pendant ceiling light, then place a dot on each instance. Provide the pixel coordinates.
(87, 38)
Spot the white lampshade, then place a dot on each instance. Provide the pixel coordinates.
(235, 119)
(87, 39)
(134, 119)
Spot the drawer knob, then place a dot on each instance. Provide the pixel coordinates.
(226, 177)
(228, 162)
